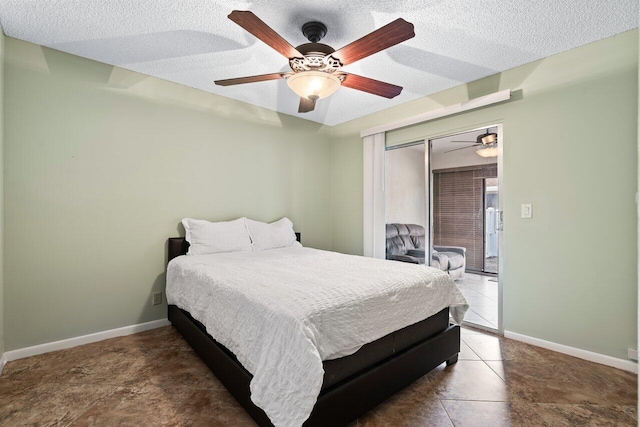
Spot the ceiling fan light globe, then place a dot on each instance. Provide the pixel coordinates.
(313, 84)
(487, 152)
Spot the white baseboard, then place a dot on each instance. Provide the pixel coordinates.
(603, 359)
(84, 339)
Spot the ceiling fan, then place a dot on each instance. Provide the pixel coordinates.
(316, 67)
(488, 141)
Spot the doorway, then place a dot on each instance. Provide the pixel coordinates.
(443, 205)
(466, 213)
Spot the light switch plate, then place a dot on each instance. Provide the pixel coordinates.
(526, 211)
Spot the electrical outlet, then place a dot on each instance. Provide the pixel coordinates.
(633, 354)
(157, 298)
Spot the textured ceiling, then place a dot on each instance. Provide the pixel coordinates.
(193, 43)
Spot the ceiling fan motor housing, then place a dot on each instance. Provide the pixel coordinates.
(317, 57)
(314, 31)
(487, 138)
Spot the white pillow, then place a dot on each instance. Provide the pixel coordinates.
(278, 234)
(206, 237)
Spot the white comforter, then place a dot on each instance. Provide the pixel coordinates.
(283, 311)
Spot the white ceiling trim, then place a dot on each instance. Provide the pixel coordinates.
(472, 104)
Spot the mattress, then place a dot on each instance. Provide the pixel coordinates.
(283, 312)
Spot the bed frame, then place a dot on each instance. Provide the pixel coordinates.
(338, 404)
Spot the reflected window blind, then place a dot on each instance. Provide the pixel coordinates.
(458, 210)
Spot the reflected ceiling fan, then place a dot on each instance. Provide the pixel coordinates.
(488, 141)
(316, 67)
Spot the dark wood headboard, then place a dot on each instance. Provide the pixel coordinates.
(179, 246)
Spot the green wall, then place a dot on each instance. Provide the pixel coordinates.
(570, 149)
(101, 164)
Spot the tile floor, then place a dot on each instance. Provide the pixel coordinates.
(154, 378)
(481, 293)
(491, 264)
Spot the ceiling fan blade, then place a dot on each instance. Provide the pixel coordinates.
(463, 148)
(306, 105)
(465, 142)
(258, 28)
(250, 79)
(375, 87)
(381, 39)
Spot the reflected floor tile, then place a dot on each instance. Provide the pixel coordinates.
(479, 301)
(467, 380)
(497, 367)
(466, 353)
(492, 347)
(480, 283)
(408, 408)
(474, 318)
(464, 331)
(483, 303)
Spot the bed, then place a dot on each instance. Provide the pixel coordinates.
(352, 384)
